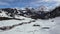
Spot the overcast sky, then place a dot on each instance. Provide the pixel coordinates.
(31, 3)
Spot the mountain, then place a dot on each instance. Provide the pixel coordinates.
(30, 13)
(22, 22)
(55, 12)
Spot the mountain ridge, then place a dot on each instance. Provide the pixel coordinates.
(31, 13)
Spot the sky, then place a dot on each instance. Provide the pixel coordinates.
(30, 3)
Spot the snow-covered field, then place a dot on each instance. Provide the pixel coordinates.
(53, 26)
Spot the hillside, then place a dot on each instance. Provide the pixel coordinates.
(13, 21)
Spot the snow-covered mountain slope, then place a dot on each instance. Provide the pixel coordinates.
(22, 22)
(32, 13)
(50, 26)
(2, 14)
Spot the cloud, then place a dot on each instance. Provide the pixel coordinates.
(4, 3)
(57, 2)
(7, 0)
(49, 3)
(50, 0)
(32, 3)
